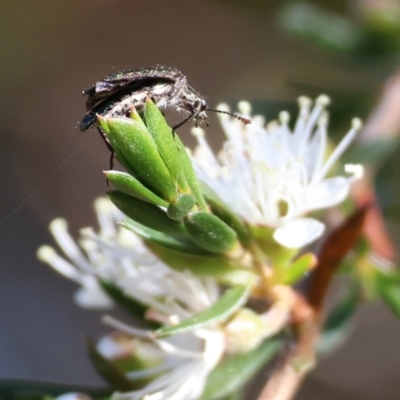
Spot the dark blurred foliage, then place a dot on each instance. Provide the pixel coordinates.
(268, 52)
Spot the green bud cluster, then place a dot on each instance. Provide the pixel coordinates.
(181, 219)
(164, 201)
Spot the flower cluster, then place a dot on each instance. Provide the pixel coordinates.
(117, 255)
(196, 259)
(273, 176)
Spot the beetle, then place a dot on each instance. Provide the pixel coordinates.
(117, 93)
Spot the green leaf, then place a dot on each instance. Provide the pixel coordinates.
(221, 310)
(222, 211)
(391, 296)
(298, 268)
(135, 308)
(338, 326)
(178, 243)
(233, 373)
(113, 375)
(235, 396)
(210, 232)
(165, 141)
(138, 147)
(18, 389)
(127, 184)
(181, 206)
(136, 117)
(223, 269)
(145, 214)
(190, 175)
(121, 158)
(388, 287)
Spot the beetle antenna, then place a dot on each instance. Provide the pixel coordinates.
(239, 117)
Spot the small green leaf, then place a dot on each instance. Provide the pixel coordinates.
(126, 183)
(235, 372)
(136, 117)
(221, 310)
(298, 268)
(138, 147)
(145, 213)
(113, 375)
(210, 232)
(178, 243)
(121, 158)
(190, 175)
(181, 206)
(388, 287)
(223, 269)
(391, 296)
(222, 211)
(165, 141)
(235, 396)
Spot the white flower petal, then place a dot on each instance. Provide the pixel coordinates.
(93, 296)
(328, 193)
(299, 232)
(73, 396)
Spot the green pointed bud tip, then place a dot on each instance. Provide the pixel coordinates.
(181, 206)
(129, 185)
(136, 116)
(209, 232)
(126, 125)
(103, 123)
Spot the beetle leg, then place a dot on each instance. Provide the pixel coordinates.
(182, 123)
(104, 137)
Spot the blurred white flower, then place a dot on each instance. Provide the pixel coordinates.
(116, 255)
(73, 396)
(187, 360)
(273, 176)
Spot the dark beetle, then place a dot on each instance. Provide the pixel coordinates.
(116, 94)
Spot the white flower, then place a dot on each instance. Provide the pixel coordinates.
(118, 256)
(273, 176)
(73, 396)
(188, 359)
(114, 255)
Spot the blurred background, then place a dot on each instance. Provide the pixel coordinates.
(267, 52)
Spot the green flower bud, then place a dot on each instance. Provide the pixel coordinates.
(136, 145)
(244, 331)
(181, 206)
